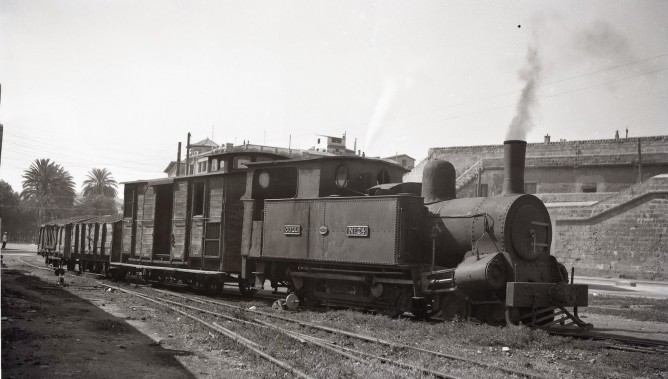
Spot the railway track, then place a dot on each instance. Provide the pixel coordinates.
(616, 342)
(310, 336)
(334, 345)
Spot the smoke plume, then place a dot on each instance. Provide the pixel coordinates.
(380, 111)
(530, 75)
(602, 40)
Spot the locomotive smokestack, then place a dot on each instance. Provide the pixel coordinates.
(438, 181)
(513, 163)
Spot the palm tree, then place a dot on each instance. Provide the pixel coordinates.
(49, 186)
(100, 183)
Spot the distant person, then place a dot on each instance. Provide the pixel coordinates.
(4, 240)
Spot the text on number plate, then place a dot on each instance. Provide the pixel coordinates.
(293, 230)
(357, 231)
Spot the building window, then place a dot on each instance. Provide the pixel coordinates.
(337, 140)
(318, 140)
(589, 188)
(214, 165)
(530, 188)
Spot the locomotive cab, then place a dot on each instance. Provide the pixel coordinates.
(314, 210)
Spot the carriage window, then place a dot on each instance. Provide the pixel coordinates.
(383, 177)
(341, 177)
(240, 162)
(276, 183)
(128, 201)
(198, 199)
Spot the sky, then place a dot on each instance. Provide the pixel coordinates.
(117, 84)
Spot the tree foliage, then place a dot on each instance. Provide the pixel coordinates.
(18, 220)
(99, 182)
(96, 206)
(48, 187)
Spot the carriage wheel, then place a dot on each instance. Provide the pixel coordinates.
(451, 306)
(213, 286)
(246, 288)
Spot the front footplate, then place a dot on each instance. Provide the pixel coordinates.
(545, 304)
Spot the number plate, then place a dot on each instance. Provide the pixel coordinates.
(357, 231)
(293, 230)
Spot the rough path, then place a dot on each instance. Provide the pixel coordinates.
(49, 332)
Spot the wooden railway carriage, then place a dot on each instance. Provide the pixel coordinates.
(188, 229)
(58, 238)
(98, 238)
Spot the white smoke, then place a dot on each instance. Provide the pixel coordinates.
(380, 111)
(530, 75)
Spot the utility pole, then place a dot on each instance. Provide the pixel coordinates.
(178, 161)
(639, 162)
(188, 155)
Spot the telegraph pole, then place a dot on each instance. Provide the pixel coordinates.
(188, 154)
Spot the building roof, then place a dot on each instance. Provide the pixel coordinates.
(399, 156)
(171, 165)
(204, 143)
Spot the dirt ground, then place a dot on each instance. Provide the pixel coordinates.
(49, 332)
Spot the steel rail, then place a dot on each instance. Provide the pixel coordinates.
(348, 353)
(621, 343)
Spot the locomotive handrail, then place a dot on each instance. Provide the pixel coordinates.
(459, 216)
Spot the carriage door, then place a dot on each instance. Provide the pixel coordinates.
(213, 223)
(129, 219)
(162, 227)
(197, 220)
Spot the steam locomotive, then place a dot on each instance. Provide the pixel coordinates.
(346, 231)
(405, 247)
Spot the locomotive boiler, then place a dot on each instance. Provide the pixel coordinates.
(344, 231)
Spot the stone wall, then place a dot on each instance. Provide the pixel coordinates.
(625, 235)
(463, 157)
(559, 167)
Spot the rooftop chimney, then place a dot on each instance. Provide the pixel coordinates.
(514, 152)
